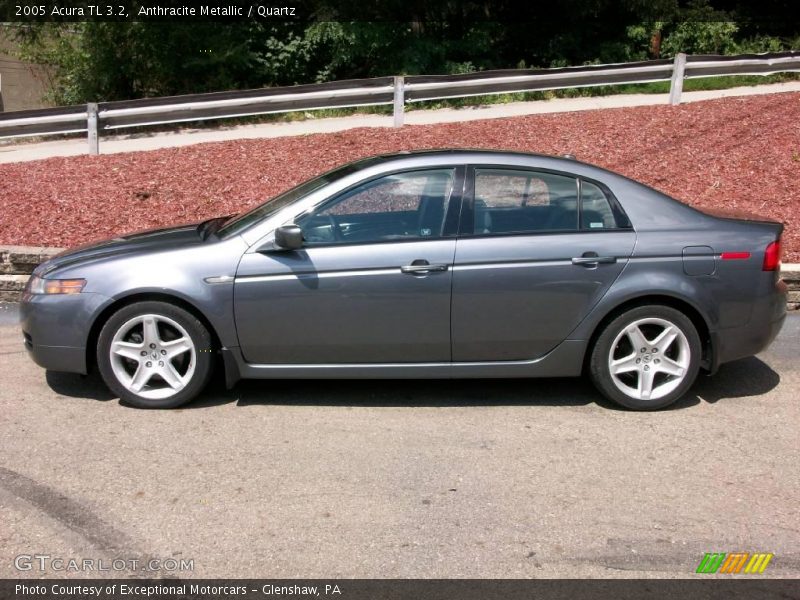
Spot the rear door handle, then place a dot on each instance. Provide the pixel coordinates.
(421, 267)
(590, 258)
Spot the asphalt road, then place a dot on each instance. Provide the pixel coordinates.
(401, 479)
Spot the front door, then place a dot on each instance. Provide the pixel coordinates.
(371, 285)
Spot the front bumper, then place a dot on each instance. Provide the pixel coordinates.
(55, 328)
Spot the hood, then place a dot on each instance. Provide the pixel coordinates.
(141, 242)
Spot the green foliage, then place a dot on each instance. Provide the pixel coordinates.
(97, 61)
(765, 43)
(115, 61)
(702, 37)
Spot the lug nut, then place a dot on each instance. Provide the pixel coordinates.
(148, 364)
(163, 352)
(152, 345)
(144, 353)
(644, 349)
(657, 361)
(638, 360)
(655, 350)
(646, 368)
(161, 363)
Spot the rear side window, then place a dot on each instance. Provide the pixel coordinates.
(596, 211)
(521, 201)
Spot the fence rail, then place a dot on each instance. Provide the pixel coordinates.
(95, 118)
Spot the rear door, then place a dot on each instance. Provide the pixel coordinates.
(371, 285)
(537, 250)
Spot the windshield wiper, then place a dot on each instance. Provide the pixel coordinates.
(206, 228)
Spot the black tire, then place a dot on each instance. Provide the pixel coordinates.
(674, 386)
(197, 363)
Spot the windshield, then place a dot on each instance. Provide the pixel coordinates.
(245, 220)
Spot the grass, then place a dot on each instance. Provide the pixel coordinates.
(659, 87)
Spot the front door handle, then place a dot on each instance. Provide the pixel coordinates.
(421, 267)
(589, 259)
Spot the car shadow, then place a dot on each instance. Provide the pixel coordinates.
(90, 387)
(739, 379)
(746, 377)
(403, 392)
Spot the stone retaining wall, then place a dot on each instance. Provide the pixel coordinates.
(17, 263)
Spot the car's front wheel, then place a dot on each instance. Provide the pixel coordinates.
(155, 355)
(646, 358)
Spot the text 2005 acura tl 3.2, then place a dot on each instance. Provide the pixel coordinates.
(421, 265)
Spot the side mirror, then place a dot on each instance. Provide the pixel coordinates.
(289, 237)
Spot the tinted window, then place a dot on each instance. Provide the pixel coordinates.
(270, 207)
(596, 212)
(517, 201)
(400, 206)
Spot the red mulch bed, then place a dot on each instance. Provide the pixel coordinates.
(738, 153)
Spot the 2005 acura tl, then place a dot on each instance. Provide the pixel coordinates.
(421, 265)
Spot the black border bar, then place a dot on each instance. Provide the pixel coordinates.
(705, 587)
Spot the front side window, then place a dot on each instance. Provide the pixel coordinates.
(401, 206)
(243, 221)
(521, 201)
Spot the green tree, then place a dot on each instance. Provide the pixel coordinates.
(115, 61)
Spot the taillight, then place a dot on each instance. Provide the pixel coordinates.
(772, 256)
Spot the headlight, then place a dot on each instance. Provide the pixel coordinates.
(38, 285)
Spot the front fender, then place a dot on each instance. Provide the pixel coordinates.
(181, 273)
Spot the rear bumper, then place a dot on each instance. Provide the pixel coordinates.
(767, 319)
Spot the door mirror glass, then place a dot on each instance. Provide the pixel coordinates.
(288, 237)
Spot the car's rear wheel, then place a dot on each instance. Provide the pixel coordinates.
(155, 355)
(646, 358)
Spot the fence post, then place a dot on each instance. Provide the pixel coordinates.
(91, 117)
(399, 101)
(676, 85)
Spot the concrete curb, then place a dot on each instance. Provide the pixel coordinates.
(18, 262)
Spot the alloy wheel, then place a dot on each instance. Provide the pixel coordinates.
(649, 358)
(153, 356)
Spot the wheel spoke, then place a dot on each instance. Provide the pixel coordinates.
(171, 376)
(661, 364)
(140, 378)
(151, 335)
(163, 340)
(637, 338)
(128, 350)
(670, 367)
(176, 347)
(624, 365)
(645, 387)
(665, 338)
